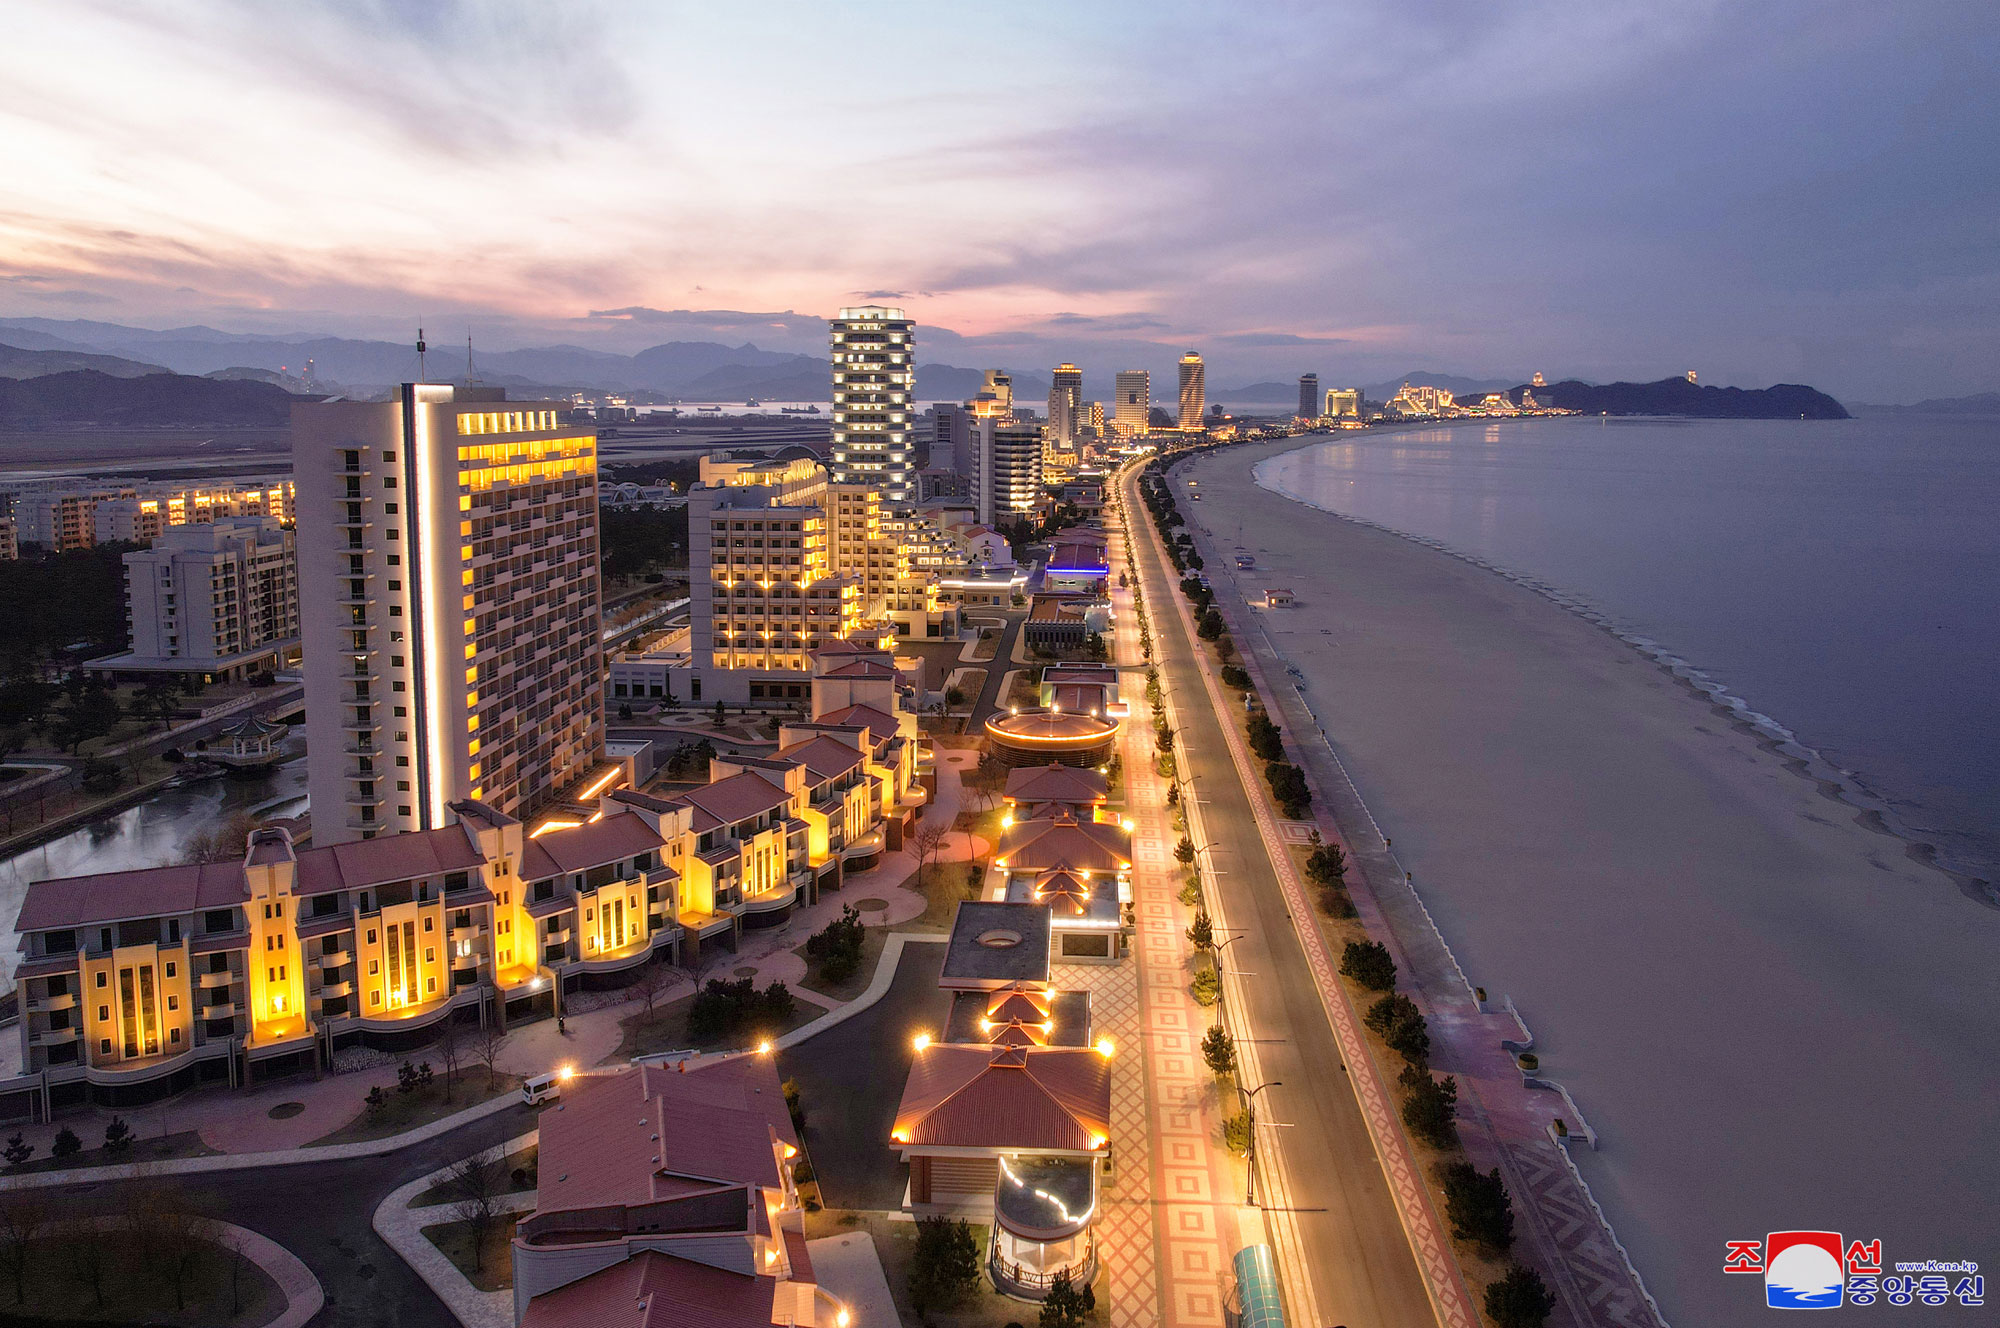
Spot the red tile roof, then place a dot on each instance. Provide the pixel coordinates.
(640, 1135)
(1062, 841)
(970, 1096)
(655, 1290)
(737, 798)
(592, 844)
(1056, 783)
(77, 901)
(880, 725)
(823, 757)
(401, 857)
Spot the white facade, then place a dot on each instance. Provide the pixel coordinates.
(1007, 470)
(1066, 405)
(874, 379)
(1134, 405)
(448, 574)
(208, 596)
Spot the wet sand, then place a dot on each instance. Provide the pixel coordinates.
(1775, 1017)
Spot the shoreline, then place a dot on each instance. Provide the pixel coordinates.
(1739, 988)
(1849, 788)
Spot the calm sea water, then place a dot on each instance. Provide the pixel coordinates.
(1840, 577)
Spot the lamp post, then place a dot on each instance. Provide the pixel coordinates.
(1220, 986)
(1250, 1110)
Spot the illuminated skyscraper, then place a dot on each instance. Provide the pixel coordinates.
(1308, 396)
(1066, 405)
(448, 591)
(1134, 407)
(1343, 402)
(1007, 475)
(1193, 397)
(874, 377)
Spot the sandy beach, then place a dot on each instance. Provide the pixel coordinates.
(1774, 1017)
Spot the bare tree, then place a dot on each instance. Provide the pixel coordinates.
(91, 1252)
(475, 1189)
(486, 1044)
(25, 1216)
(927, 840)
(230, 1240)
(655, 981)
(450, 1047)
(173, 1238)
(224, 842)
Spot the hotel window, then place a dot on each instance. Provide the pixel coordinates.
(104, 1046)
(101, 976)
(103, 1014)
(374, 998)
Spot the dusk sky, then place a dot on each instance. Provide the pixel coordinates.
(1762, 192)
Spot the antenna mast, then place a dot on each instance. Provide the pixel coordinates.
(471, 375)
(423, 374)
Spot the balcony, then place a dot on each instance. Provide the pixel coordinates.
(54, 1037)
(333, 989)
(335, 960)
(356, 724)
(214, 981)
(63, 1001)
(221, 1010)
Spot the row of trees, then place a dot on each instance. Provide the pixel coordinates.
(147, 1242)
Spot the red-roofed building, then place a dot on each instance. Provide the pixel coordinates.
(139, 984)
(641, 1220)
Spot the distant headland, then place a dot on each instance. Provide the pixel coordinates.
(1678, 396)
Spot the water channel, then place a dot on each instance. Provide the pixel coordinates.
(152, 833)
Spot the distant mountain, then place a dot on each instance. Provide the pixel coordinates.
(18, 362)
(1258, 392)
(1980, 403)
(1677, 396)
(86, 396)
(948, 382)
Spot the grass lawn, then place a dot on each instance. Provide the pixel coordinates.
(187, 1143)
(494, 1269)
(667, 1030)
(136, 1294)
(502, 1171)
(872, 941)
(407, 1111)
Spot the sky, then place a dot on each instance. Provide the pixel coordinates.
(1762, 192)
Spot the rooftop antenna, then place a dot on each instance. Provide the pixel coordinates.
(423, 374)
(471, 375)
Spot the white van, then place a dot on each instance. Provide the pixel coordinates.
(543, 1088)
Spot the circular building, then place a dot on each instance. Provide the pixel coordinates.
(1037, 737)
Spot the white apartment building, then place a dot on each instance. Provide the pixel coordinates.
(1133, 409)
(1007, 468)
(448, 574)
(874, 378)
(217, 601)
(72, 514)
(1066, 418)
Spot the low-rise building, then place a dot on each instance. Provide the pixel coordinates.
(690, 1216)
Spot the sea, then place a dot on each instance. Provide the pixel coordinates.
(1838, 581)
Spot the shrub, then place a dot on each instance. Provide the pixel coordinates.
(1289, 789)
(66, 1143)
(729, 1009)
(1369, 964)
(795, 1104)
(1190, 892)
(377, 1103)
(18, 1150)
(101, 777)
(1477, 1206)
(1383, 1014)
(1326, 865)
(837, 946)
(944, 1266)
(1410, 1038)
(1184, 851)
(118, 1135)
(1430, 1106)
(1265, 738)
(1211, 625)
(1236, 676)
(1206, 988)
(1218, 1048)
(1236, 1133)
(1067, 1306)
(1519, 1300)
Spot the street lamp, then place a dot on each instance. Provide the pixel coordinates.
(1218, 947)
(1250, 1110)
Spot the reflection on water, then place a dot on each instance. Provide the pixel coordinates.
(153, 833)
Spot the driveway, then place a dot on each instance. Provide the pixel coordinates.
(851, 1078)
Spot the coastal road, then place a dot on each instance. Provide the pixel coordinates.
(1333, 1198)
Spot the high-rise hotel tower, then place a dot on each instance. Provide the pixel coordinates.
(1193, 394)
(1133, 410)
(1066, 405)
(448, 591)
(874, 378)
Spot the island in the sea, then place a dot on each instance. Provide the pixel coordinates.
(1679, 396)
